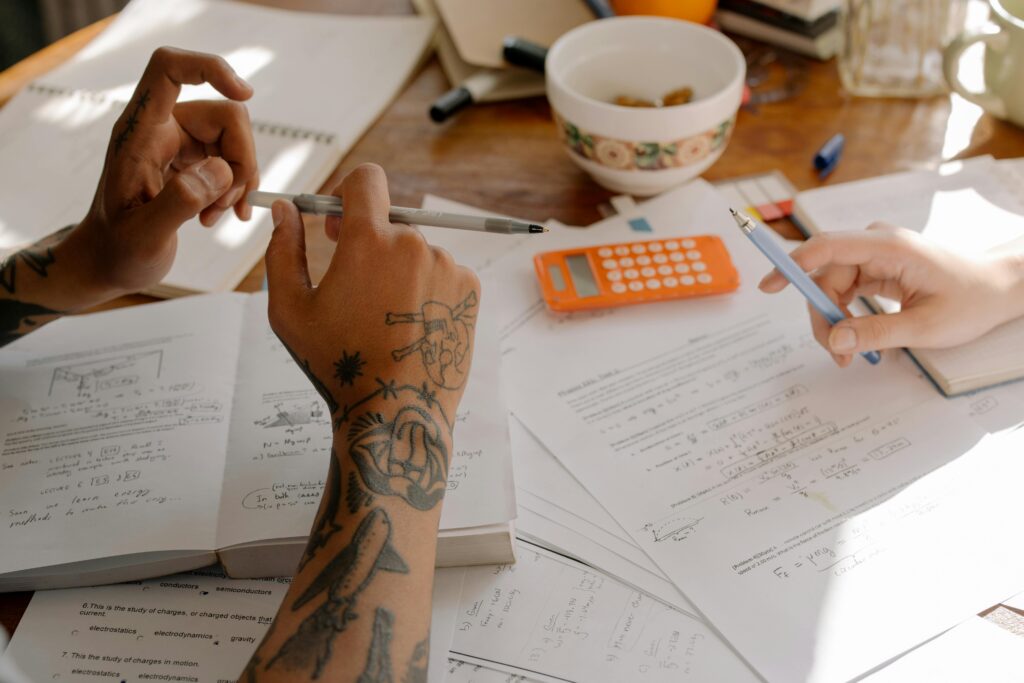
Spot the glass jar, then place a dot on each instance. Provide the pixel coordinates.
(893, 48)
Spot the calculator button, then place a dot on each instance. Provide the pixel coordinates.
(688, 244)
(648, 271)
(660, 258)
(671, 245)
(653, 284)
(664, 270)
(682, 268)
(654, 247)
(699, 267)
(636, 285)
(687, 280)
(604, 252)
(621, 251)
(693, 255)
(610, 264)
(639, 249)
(626, 262)
(614, 275)
(631, 274)
(671, 282)
(675, 257)
(704, 278)
(618, 288)
(643, 260)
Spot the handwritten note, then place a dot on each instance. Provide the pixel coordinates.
(551, 618)
(116, 447)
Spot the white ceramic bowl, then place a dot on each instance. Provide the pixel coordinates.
(644, 151)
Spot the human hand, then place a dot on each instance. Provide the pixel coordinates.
(166, 163)
(946, 299)
(386, 337)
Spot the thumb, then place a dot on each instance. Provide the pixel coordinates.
(875, 333)
(187, 193)
(287, 270)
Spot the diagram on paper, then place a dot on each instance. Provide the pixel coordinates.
(294, 414)
(89, 379)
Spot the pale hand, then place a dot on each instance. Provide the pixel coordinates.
(946, 299)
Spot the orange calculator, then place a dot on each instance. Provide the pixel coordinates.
(635, 272)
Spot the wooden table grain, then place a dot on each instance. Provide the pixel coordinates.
(505, 156)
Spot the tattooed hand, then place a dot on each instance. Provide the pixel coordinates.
(393, 315)
(167, 163)
(387, 340)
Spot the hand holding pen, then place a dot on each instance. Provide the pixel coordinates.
(790, 271)
(946, 298)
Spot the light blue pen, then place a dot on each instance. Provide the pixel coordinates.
(794, 273)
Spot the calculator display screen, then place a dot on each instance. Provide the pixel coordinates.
(582, 276)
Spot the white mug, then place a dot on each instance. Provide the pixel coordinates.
(1003, 95)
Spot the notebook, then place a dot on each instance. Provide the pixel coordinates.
(971, 206)
(160, 438)
(320, 81)
(510, 83)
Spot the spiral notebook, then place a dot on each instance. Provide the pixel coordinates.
(320, 81)
(970, 206)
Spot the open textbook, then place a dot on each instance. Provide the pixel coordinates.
(158, 438)
(969, 207)
(303, 67)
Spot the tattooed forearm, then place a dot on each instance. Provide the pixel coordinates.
(19, 317)
(131, 121)
(321, 388)
(418, 663)
(339, 585)
(392, 442)
(327, 523)
(378, 661)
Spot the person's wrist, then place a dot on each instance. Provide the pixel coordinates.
(87, 274)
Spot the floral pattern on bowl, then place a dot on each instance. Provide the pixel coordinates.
(622, 155)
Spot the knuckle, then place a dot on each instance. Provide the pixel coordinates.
(874, 330)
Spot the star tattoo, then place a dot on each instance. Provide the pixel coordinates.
(349, 368)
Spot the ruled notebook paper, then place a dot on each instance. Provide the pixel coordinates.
(969, 207)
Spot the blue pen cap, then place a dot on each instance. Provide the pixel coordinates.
(828, 156)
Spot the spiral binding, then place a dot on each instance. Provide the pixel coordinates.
(262, 127)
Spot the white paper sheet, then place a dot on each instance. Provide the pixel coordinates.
(443, 615)
(976, 650)
(118, 444)
(553, 619)
(197, 626)
(547, 533)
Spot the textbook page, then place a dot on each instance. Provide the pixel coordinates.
(553, 619)
(278, 453)
(114, 432)
(976, 650)
(280, 441)
(198, 626)
(443, 615)
(689, 407)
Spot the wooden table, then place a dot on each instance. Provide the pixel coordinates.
(505, 156)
